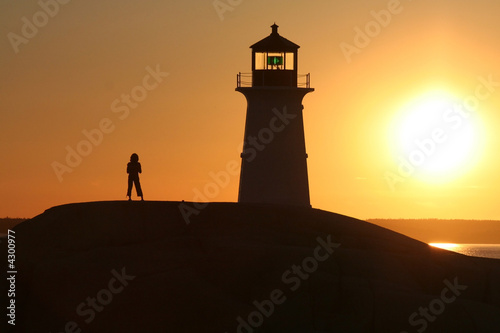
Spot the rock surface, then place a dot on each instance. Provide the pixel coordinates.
(139, 267)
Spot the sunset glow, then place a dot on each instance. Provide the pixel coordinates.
(97, 82)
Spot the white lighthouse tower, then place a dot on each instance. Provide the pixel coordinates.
(274, 159)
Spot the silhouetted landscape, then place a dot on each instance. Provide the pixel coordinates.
(259, 268)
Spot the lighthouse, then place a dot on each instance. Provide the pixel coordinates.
(274, 158)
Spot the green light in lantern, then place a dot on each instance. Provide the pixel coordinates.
(275, 60)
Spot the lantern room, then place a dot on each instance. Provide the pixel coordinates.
(274, 61)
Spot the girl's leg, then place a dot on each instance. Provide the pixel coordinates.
(129, 190)
(138, 188)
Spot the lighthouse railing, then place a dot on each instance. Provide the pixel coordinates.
(246, 80)
(304, 80)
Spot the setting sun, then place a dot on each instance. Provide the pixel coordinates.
(436, 138)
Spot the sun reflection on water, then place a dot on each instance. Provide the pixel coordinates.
(446, 246)
(475, 250)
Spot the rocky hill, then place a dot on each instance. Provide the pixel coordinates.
(140, 267)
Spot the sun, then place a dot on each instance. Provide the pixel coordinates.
(436, 138)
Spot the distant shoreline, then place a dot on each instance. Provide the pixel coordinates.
(445, 230)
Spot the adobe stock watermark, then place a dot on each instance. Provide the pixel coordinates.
(223, 6)
(122, 107)
(103, 298)
(30, 27)
(364, 36)
(221, 179)
(292, 278)
(453, 119)
(420, 319)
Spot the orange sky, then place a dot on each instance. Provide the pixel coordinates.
(71, 74)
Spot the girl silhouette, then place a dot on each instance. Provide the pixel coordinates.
(133, 170)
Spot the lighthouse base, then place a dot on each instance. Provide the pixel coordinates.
(274, 165)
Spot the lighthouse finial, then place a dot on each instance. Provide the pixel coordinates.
(275, 28)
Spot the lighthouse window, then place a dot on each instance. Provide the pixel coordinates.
(275, 61)
(289, 61)
(260, 60)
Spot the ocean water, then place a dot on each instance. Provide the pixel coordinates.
(476, 250)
